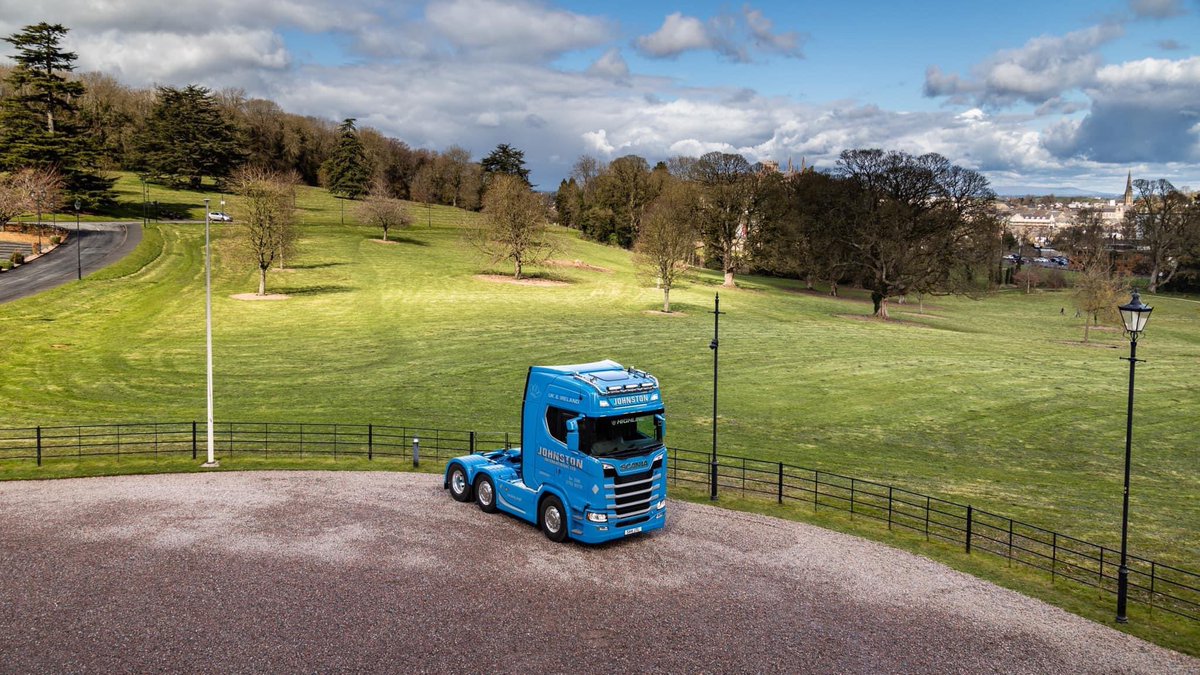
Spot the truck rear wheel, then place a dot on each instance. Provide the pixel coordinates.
(485, 494)
(553, 518)
(460, 489)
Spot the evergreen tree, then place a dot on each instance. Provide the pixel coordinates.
(186, 138)
(38, 118)
(505, 159)
(347, 172)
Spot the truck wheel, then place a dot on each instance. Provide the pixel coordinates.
(460, 489)
(485, 494)
(553, 519)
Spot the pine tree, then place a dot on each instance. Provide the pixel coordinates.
(347, 172)
(37, 119)
(505, 159)
(186, 138)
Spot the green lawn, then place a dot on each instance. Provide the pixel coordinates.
(991, 402)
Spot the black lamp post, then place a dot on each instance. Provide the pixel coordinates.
(78, 246)
(713, 346)
(1134, 315)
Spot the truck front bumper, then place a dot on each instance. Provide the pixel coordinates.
(587, 532)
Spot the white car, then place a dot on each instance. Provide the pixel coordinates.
(219, 217)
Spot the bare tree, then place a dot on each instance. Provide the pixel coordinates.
(1165, 223)
(728, 194)
(667, 237)
(267, 228)
(380, 210)
(514, 224)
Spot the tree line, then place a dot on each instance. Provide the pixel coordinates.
(83, 125)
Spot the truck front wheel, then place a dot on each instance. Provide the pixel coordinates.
(485, 494)
(553, 519)
(460, 489)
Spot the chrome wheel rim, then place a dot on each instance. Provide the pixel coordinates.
(485, 493)
(553, 519)
(458, 482)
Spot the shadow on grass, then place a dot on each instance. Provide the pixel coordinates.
(160, 211)
(531, 275)
(315, 266)
(394, 239)
(316, 290)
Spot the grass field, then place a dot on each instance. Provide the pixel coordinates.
(993, 402)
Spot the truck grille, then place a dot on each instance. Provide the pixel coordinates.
(632, 495)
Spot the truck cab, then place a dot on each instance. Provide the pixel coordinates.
(592, 461)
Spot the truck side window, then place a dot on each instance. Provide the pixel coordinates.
(556, 422)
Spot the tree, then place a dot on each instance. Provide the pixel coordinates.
(347, 173)
(915, 224)
(187, 139)
(266, 229)
(38, 115)
(384, 212)
(505, 159)
(514, 224)
(667, 238)
(458, 178)
(727, 193)
(567, 202)
(1163, 221)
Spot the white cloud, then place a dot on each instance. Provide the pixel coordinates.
(232, 56)
(611, 65)
(597, 141)
(515, 28)
(1042, 69)
(788, 44)
(1156, 9)
(677, 35)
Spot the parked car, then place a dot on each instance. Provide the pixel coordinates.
(1040, 260)
(219, 217)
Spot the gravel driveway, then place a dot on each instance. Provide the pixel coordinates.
(319, 571)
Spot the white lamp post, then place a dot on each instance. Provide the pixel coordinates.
(212, 460)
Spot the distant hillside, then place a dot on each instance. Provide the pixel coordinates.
(1039, 191)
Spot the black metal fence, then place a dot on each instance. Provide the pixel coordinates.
(241, 439)
(1159, 586)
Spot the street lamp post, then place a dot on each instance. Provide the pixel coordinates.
(1134, 315)
(78, 245)
(212, 460)
(41, 194)
(714, 347)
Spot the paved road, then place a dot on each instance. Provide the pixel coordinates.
(382, 572)
(102, 244)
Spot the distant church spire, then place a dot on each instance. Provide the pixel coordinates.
(1129, 190)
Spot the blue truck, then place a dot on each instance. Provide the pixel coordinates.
(592, 464)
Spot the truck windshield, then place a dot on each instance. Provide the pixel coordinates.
(621, 436)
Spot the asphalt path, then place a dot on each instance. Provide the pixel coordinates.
(98, 245)
(382, 572)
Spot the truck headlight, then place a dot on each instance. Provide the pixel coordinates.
(597, 517)
(661, 505)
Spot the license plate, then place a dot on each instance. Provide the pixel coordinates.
(632, 530)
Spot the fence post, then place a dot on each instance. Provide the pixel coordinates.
(970, 517)
(39, 446)
(780, 497)
(1053, 556)
(1153, 573)
(506, 445)
(416, 452)
(1010, 538)
(370, 442)
(472, 441)
(193, 439)
(889, 507)
(926, 517)
(335, 441)
(816, 488)
(79, 442)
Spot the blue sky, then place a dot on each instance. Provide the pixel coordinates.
(1031, 93)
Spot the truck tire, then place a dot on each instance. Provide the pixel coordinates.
(485, 494)
(460, 489)
(553, 518)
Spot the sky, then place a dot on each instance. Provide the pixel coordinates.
(1030, 93)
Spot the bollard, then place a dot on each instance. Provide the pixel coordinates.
(416, 452)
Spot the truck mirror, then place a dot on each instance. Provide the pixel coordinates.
(572, 435)
(660, 424)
